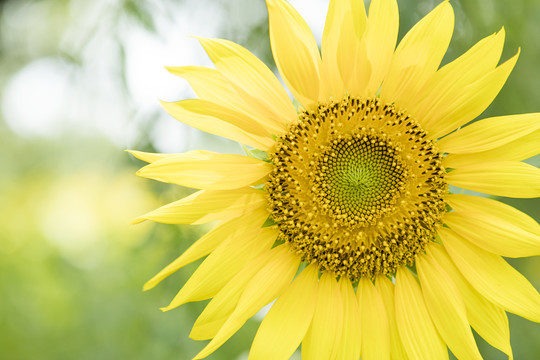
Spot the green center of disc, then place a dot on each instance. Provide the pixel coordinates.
(360, 177)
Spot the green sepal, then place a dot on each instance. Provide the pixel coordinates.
(269, 222)
(255, 153)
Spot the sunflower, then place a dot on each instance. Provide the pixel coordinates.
(341, 209)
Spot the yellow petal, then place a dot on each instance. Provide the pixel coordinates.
(517, 150)
(375, 331)
(269, 283)
(148, 157)
(210, 171)
(492, 277)
(446, 308)
(285, 325)
(209, 84)
(489, 320)
(331, 83)
(153, 157)
(207, 109)
(352, 59)
(477, 204)
(449, 81)
(223, 304)
(295, 51)
(489, 133)
(455, 110)
(494, 234)
(503, 178)
(350, 344)
(222, 265)
(386, 289)
(240, 226)
(418, 56)
(324, 334)
(253, 81)
(351, 51)
(418, 334)
(206, 206)
(381, 39)
(219, 120)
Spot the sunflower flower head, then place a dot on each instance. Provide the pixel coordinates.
(341, 209)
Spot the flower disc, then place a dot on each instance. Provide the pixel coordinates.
(357, 187)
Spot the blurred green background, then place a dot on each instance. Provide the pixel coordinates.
(79, 83)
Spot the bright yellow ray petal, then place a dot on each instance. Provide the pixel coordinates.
(253, 81)
(375, 331)
(447, 308)
(358, 12)
(418, 56)
(269, 283)
(206, 206)
(241, 226)
(324, 334)
(209, 84)
(295, 51)
(489, 133)
(219, 120)
(353, 64)
(198, 108)
(148, 157)
(489, 320)
(502, 178)
(477, 204)
(331, 84)
(210, 171)
(218, 310)
(449, 81)
(517, 150)
(419, 336)
(350, 344)
(381, 39)
(386, 289)
(285, 325)
(222, 265)
(494, 234)
(354, 67)
(456, 110)
(493, 277)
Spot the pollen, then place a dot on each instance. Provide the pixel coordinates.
(357, 187)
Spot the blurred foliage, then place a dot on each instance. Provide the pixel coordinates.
(71, 268)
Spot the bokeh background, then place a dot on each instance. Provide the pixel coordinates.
(79, 83)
